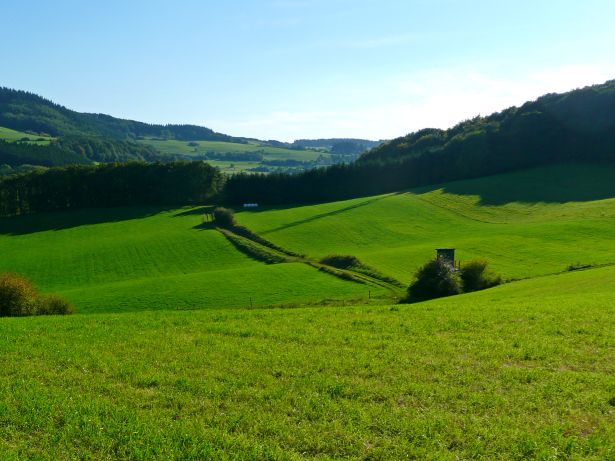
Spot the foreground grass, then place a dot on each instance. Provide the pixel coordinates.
(147, 258)
(522, 371)
(527, 223)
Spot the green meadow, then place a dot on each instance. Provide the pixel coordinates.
(6, 134)
(521, 371)
(185, 348)
(528, 223)
(195, 148)
(172, 146)
(148, 258)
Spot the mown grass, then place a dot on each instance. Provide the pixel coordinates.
(522, 371)
(6, 134)
(148, 258)
(527, 224)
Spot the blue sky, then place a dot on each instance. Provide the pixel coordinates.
(288, 69)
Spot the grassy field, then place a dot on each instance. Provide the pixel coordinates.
(269, 153)
(522, 371)
(147, 258)
(529, 223)
(6, 134)
(173, 147)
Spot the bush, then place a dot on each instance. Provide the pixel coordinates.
(224, 217)
(341, 261)
(18, 298)
(476, 276)
(435, 279)
(54, 305)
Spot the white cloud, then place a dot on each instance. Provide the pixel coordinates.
(436, 98)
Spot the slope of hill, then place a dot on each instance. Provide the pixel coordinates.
(8, 135)
(136, 260)
(146, 258)
(522, 371)
(82, 138)
(527, 223)
(25, 111)
(578, 126)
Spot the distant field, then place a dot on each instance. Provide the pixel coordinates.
(522, 371)
(527, 224)
(9, 135)
(270, 153)
(147, 258)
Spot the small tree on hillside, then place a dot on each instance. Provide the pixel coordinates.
(435, 279)
(224, 217)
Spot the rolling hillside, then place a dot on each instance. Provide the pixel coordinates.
(521, 371)
(83, 138)
(148, 258)
(527, 223)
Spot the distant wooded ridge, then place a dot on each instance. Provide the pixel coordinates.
(82, 138)
(578, 126)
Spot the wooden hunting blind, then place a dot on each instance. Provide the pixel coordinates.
(447, 255)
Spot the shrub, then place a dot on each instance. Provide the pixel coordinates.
(341, 261)
(18, 297)
(54, 305)
(224, 217)
(435, 279)
(476, 276)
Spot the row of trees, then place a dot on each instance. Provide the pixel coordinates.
(109, 185)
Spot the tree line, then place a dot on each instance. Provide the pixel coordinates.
(109, 185)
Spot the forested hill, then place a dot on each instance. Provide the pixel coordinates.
(24, 111)
(576, 125)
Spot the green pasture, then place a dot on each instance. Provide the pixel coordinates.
(527, 224)
(521, 371)
(269, 153)
(149, 258)
(6, 134)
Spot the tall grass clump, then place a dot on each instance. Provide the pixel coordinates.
(19, 298)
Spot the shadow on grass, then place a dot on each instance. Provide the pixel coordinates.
(323, 215)
(59, 220)
(553, 184)
(200, 210)
(205, 225)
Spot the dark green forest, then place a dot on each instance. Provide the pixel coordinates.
(75, 150)
(24, 111)
(109, 185)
